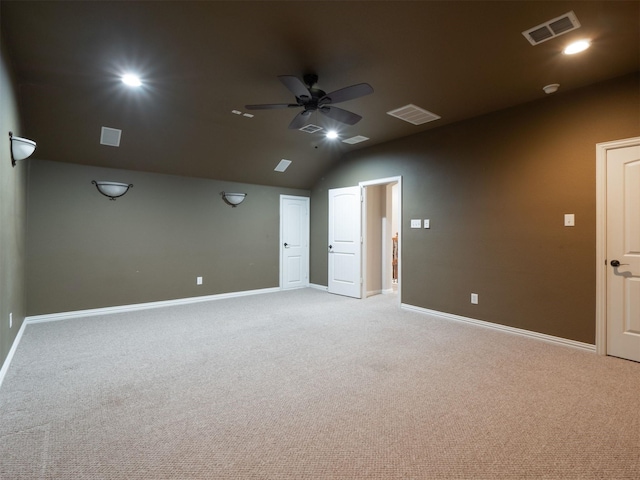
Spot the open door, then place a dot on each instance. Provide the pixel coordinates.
(623, 252)
(344, 245)
(618, 248)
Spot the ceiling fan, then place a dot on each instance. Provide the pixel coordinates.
(313, 99)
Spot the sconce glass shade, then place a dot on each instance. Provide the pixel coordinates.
(233, 199)
(21, 148)
(112, 190)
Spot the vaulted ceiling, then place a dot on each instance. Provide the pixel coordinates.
(199, 61)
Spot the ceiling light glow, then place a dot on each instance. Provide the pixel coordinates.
(131, 80)
(577, 47)
(331, 134)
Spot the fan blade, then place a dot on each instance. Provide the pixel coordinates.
(300, 120)
(295, 86)
(340, 115)
(346, 93)
(269, 106)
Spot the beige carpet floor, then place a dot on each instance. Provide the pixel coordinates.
(307, 385)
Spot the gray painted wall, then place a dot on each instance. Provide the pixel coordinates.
(496, 189)
(12, 214)
(86, 251)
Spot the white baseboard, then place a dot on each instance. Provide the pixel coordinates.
(142, 306)
(503, 328)
(318, 287)
(12, 351)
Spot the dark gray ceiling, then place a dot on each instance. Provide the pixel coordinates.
(201, 60)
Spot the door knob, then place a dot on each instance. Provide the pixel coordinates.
(616, 263)
(330, 247)
(286, 245)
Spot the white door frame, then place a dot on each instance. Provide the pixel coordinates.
(601, 237)
(363, 216)
(281, 248)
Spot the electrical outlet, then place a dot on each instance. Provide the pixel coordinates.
(427, 223)
(11, 320)
(474, 298)
(198, 280)
(569, 220)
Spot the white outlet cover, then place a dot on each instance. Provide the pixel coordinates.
(427, 223)
(416, 223)
(569, 220)
(474, 298)
(198, 280)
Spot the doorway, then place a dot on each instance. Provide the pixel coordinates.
(381, 243)
(618, 248)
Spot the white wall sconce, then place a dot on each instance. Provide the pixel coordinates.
(233, 199)
(21, 148)
(112, 190)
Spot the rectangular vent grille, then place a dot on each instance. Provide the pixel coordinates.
(412, 114)
(311, 128)
(282, 166)
(356, 139)
(110, 137)
(551, 29)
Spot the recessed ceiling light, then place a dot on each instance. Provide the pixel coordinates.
(577, 47)
(332, 134)
(131, 80)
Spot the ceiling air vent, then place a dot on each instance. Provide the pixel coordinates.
(551, 29)
(356, 139)
(283, 165)
(412, 114)
(110, 137)
(311, 128)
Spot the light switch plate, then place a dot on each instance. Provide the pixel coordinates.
(416, 223)
(569, 220)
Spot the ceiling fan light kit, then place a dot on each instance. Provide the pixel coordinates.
(313, 99)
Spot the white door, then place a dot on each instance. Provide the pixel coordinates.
(294, 242)
(623, 252)
(344, 241)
